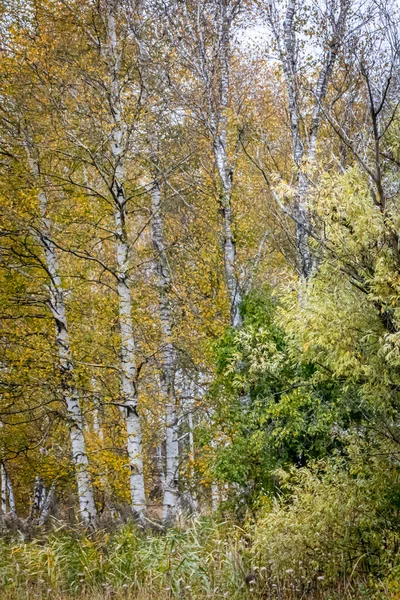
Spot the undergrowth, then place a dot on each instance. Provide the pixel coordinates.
(204, 559)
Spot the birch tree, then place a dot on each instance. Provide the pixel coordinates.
(283, 21)
(118, 148)
(168, 366)
(202, 34)
(58, 310)
(97, 138)
(3, 489)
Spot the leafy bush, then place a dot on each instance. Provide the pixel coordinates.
(272, 407)
(337, 525)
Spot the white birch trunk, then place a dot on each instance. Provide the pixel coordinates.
(219, 126)
(185, 390)
(304, 149)
(300, 209)
(167, 375)
(160, 466)
(128, 384)
(97, 428)
(195, 504)
(208, 57)
(38, 496)
(3, 488)
(3, 476)
(70, 395)
(47, 505)
(11, 498)
(57, 306)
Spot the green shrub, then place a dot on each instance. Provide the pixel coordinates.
(337, 526)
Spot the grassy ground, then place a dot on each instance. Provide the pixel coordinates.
(203, 560)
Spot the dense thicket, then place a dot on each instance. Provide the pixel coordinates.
(200, 297)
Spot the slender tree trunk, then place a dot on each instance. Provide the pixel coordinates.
(167, 375)
(303, 228)
(11, 498)
(195, 504)
(128, 383)
(229, 246)
(215, 496)
(300, 210)
(70, 395)
(304, 146)
(207, 53)
(185, 392)
(97, 428)
(38, 496)
(3, 475)
(160, 466)
(57, 306)
(219, 126)
(47, 505)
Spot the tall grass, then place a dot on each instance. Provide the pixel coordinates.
(203, 560)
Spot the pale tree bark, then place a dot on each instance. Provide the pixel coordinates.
(219, 126)
(128, 358)
(11, 498)
(194, 501)
(185, 391)
(206, 53)
(57, 306)
(47, 505)
(95, 426)
(159, 476)
(3, 476)
(69, 392)
(304, 138)
(7, 493)
(3, 484)
(97, 430)
(168, 366)
(39, 493)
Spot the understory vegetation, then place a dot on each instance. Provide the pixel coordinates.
(336, 538)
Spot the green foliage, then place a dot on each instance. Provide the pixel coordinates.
(271, 405)
(338, 521)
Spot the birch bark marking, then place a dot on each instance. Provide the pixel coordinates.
(47, 505)
(171, 498)
(189, 394)
(70, 395)
(304, 146)
(6, 489)
(208, 59)
(11, 498)
(3, 484)
(219, 125)
(57, 306)
(300, 207)
(38, 496)
(3, 476)
(128, 384)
